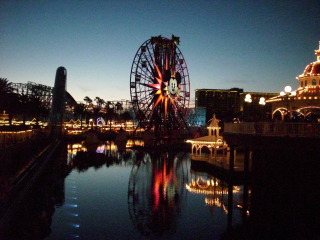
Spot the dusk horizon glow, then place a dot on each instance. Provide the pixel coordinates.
(259, 46)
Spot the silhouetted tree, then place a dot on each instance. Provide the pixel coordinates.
(88, 107)
(37, 108)
(5, 90)
(24, 106)
(100, 102)
(8, 99)
(79, 110)
(110, 115)
(126, 116)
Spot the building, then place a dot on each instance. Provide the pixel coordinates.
(253, 106)
(225, 103)
(232, 103)
(304, 102)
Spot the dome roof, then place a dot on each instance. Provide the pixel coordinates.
(312, 69)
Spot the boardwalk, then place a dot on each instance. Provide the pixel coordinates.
(221, 161)
(277, 129)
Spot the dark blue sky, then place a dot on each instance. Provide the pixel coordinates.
(256, 45)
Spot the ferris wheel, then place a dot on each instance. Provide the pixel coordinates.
(160, 85)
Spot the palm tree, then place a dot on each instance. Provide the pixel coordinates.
(87, 100)
(99, 101)
(88, 107)
(12, 104)
(37, 108)
(110, 112)
(119, 107)
(24, 106)
(5, 90)
(126, 116)
(98, 107)
(9, 100)
(79, 110)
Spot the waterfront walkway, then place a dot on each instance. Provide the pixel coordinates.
(222, 161)
(277, 129)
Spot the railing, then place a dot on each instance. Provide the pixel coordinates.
(274, 129)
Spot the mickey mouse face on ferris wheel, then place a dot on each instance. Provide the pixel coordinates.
(174, 84)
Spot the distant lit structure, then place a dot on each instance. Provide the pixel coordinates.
(213, 141)
(303, 103)
(228, 104)
(39, 90)
(253, 106)
(196, 117)
(225, 103)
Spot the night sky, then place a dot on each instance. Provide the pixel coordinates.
(259, 46)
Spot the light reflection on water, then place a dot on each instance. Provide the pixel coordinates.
(134, 194)
(137, 194)
(130, 194)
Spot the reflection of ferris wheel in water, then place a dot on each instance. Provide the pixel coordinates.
(155, 190)
(160, 85)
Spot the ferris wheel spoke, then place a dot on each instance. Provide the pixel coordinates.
(147, 66)
(146, 100)
(149, 61)
(146, 78)
(146, 91)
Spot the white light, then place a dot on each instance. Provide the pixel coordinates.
(282, 93)
(248, 98)
(262, 101)
(287, 89)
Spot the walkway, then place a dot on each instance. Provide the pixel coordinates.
(277, 129)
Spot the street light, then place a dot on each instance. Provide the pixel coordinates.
(288, 89)
(262, 101)
(248, 98)
(286, 94)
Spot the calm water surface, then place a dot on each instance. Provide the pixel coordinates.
(102, 193)
(139, 195)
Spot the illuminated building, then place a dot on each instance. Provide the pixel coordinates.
(213, 141)
(303, 103)
(222, 102)
(230, 103)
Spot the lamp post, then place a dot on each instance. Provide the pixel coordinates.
(286, 95)
(247, 99)
(262, 102)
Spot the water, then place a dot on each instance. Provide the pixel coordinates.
(135, 195)
(131, 194)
